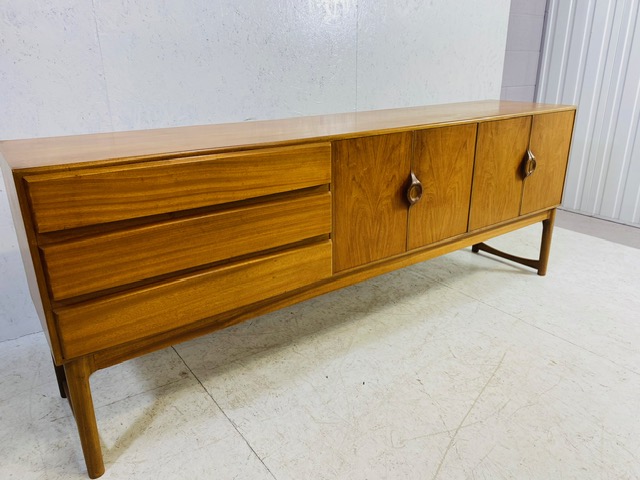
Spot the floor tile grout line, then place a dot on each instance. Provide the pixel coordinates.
(39, 332)
(475, 402)
(538, 328)
(595, 354)
(233, 424)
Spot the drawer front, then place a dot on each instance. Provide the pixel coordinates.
(98, 195)
(78, 267)
(98, 324)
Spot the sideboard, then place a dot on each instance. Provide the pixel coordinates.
(135, 241)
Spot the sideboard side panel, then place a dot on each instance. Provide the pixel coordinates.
(30, 256)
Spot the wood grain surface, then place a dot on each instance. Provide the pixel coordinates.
(343, 279)
(497, 178)
(443, 162)
(79, 393)
(147, 311)
(99, 195)
(78, 267)
(120, 147)
(370, 176)
(27, 244)
(550, 141)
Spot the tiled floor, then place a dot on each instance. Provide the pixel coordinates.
(461, 367)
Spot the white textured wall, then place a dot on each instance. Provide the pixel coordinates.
(75, 66)
(524, 41)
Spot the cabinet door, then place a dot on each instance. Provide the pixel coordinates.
(497, 179)
(370, 215)
(550, 140)
(443, 162)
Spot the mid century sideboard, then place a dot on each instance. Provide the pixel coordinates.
(275, 212)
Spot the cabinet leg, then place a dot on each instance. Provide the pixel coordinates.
(77, 375)
(61, 379)
(545, 246)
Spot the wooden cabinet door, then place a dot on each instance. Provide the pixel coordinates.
(497, 180)
(443, 162)
(370, 215)
(550, 140)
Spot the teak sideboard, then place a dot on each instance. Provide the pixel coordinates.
(135, 241)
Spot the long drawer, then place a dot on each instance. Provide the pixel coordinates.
(105, 322)
(105, 260)
(77, 198)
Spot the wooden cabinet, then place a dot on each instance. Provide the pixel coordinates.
(520, 166)
(370, 183)
(136, 241)
(247, 225)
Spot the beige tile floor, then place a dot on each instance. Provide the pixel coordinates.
(461, 367)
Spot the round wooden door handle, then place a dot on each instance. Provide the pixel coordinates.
(529, 165)
(414, 192)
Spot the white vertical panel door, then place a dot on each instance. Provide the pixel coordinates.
(591, 58)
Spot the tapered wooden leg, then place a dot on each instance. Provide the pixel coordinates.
(78, 373)
(545, 244)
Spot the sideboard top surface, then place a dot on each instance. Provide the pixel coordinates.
(122, 146)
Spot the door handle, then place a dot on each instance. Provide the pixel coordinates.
(414, 192)
(529, 165)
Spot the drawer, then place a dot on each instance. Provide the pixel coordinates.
(78, 267)
(106, 194)
(109, 321)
